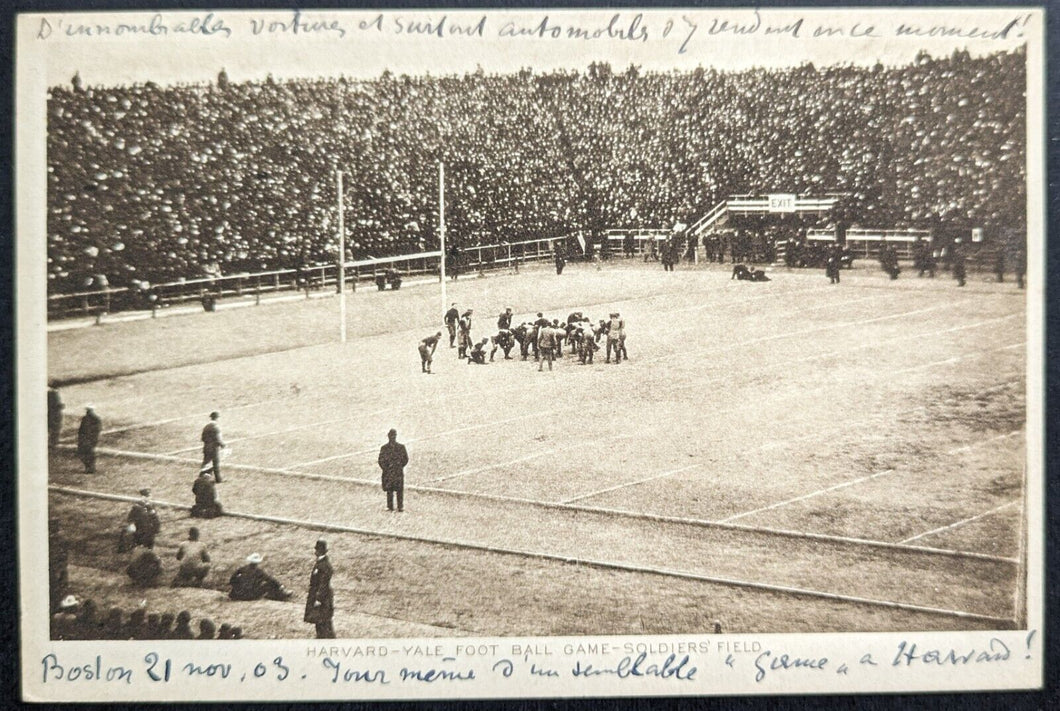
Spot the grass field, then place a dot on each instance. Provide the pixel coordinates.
(788, 456)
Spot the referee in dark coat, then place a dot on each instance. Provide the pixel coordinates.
(88, 438)
(212, 444)
(320, 604)
(392, 460)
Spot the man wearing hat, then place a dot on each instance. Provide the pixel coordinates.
(64, 621)
(212, 444)
(250, 582)
(88, 438)
(320, 604)
(144, 521)
(392, 460)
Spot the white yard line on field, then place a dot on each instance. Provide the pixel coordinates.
(852, 482)
(631, 483)
(527, 458)
(436, 435)
(320, 423)
(962, 522)
(156, 423)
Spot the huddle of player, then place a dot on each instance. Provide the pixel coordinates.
(542, 337)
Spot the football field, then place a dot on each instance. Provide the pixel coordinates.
(782, 456)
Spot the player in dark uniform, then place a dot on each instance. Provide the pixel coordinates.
(889, 261)
(478, 353)
(427, 348)
(464, 334)
(504, 320)
(505, 341)
(451, 317)
(834, 263)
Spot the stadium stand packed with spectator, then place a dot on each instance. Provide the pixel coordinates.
(149, 183)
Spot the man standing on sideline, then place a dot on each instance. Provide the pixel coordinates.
(959, 271)
(88, 438)
(55, 416)
(392, 460)
(427, 347)
(451, 317)
(320, 604)
(212, 444)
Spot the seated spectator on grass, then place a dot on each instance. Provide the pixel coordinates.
(182, 630)
(88, 624)
(250, 582)
(225, 632)
(151, 629)
(165, 625)
(112, 626)
(64, 622)
(237, 633)
(207, 629)
(194, 561)
(136, 626)
(145, 568)
(205, 490)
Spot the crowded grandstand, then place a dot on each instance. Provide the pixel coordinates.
(149, 183)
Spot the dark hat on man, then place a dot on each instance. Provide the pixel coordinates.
(145, 491)
(214, 415)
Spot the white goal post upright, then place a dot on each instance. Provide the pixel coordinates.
(441, 229)
(342, 265)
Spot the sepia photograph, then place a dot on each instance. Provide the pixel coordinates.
(500, 353)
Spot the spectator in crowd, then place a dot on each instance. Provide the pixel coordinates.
(64, 621)
(207, 629)
(88, 438)
(225, 631)
(182, 630)
(144, 568)
(320, 602)
(58, 560)
(250, 582)
(55, 416)
(393, 457)
(165, 625)
(194, 561)
(136, 626)
(205, 490)
(143, 521)
(536, 154)
(112, 626)
(88, 622)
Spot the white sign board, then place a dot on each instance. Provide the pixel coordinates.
(782, 202)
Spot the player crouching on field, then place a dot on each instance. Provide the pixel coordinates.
(427, 348)
(741, 272)
(478, 353)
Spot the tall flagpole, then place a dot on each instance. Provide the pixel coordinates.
(441, 227)
(342, 266)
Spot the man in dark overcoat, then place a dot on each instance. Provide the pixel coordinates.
(392, 460)
(88, 438)
(320, 604)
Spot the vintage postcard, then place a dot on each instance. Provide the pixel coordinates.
(393, 354)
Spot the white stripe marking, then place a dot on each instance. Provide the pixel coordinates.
(631, 483)
(961, 522)
(852, 482)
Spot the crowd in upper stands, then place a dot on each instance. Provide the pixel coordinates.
(157, 183)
